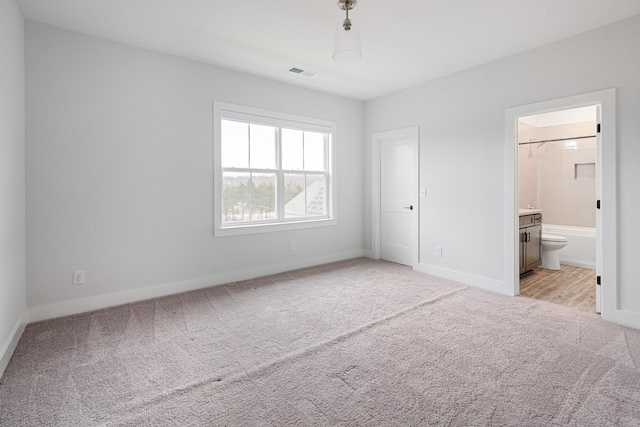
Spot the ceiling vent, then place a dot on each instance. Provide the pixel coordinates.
(302, 72)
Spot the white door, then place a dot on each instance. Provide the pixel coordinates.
(398, 199)
(598, 213)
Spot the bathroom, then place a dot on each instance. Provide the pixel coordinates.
(557, 164)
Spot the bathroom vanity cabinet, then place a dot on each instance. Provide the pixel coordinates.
(530, 242)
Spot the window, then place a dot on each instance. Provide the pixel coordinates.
(273, 171)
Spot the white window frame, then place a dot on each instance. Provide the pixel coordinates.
(224, 110)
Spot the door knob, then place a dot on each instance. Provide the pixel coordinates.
(410, 207)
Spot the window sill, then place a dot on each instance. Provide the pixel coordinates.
(267, 228)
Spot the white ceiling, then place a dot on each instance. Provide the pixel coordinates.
(562, 117)
(404, 43)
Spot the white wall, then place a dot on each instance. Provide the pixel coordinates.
(527, 167)
(12, 179)
(119, 174)
(462, 161)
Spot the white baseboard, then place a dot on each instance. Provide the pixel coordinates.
(575, 262)
(627, 318)
(12, 342)
(468, 279)
(67, 308)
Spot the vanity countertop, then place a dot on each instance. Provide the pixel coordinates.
(529, 211)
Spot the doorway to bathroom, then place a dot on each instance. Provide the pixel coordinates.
(604, 168)
(557, 204)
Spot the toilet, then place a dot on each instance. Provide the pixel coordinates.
(551, 243)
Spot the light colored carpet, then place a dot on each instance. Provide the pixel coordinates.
(355, 343)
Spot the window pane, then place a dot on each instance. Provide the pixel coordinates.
(304, 203)
(264, 196)
(316, 195)
(313, 151)
(292, 149)
(263, 147)
(294, 196)
(235, 144)
(235, 197)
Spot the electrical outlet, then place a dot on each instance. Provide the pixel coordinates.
(78, 277)
(438, 250)
(293, 246)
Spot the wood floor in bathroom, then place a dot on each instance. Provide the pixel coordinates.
(569, 286)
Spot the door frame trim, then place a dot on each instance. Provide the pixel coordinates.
(606, 164)
(412, 132)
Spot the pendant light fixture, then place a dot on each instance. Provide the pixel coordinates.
(347, 43)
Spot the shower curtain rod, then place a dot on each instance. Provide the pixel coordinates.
(554, 140)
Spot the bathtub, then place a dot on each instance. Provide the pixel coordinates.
(581, 250)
